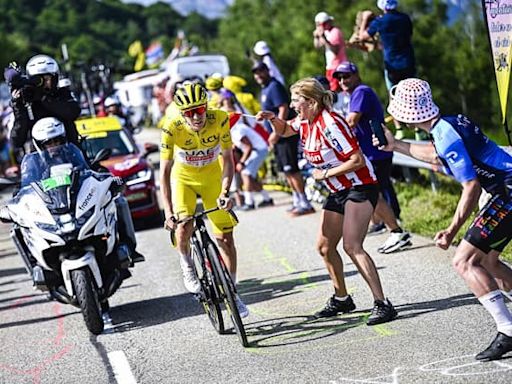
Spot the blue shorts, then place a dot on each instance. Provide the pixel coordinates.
(253, 163)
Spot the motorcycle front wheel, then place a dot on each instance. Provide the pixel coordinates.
(87, 297)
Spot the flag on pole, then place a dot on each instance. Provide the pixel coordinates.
(498, 18)
(154, 54)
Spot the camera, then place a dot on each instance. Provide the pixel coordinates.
(18, 80)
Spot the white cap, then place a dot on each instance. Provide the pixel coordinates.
(322, 17)
(261, 48)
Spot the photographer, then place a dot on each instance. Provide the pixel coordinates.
(35, 95)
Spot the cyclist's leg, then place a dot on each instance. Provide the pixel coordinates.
(222, 222)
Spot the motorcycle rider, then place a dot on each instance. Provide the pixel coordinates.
(49, 133)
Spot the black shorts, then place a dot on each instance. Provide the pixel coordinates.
(287, 154)
(336, 201)
(382, 169)
(492, 227)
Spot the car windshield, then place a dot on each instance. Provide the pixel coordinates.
(53, 166)
(118, 141)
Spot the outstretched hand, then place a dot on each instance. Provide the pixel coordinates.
(444, 238)
(389, 137)
(265, 115)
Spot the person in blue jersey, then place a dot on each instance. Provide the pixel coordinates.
(477, 163)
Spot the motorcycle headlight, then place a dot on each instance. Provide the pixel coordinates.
(85, 216)
(139, 177)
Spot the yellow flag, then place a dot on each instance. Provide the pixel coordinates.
(498, 16)
(137, 50)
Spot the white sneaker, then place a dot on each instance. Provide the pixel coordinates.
(242, 308)
(395, 242)
(190, 280)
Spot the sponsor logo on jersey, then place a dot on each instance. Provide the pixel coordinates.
(210, 139)
(314, 157)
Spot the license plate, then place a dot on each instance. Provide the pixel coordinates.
(136, 196)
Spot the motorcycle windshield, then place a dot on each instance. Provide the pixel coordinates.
(52, 170)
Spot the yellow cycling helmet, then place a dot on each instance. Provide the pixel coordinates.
(190, 96)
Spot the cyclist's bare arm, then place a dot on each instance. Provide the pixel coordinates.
(227, 176)
(165, 190)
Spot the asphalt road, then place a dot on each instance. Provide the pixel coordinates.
(159, 333)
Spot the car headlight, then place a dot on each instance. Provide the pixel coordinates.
(139, 177)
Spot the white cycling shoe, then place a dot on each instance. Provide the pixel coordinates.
(242, 308)
(190, 280)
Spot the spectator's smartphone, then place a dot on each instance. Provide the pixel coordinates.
(378, 131)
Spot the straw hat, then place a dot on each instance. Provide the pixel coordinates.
(411, 101)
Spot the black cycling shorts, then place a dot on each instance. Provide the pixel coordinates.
(492, 227)
(287, 154)
(336, 201)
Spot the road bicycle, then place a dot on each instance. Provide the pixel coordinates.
(216, 284)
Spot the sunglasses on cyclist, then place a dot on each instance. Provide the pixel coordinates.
(191, 112)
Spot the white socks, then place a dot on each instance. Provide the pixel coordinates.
(186, 261)
(495, 305)
(249, 198)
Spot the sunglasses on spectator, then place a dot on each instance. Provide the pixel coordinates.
(191, 112)
(344, 76)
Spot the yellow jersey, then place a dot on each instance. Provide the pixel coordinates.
(196, 149)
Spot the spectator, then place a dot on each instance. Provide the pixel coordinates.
(274, 98)
(214, 86)
(253, 150)
(331, 147)
(246, 99)
(329, 37)
(262, 50)
(365, 106)
(395, 30)
(477, 163)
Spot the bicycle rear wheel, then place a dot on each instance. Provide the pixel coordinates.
(228, 291)
(209, 295)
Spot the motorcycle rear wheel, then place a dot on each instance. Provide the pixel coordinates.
(87, 297)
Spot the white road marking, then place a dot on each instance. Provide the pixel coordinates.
(121, 368)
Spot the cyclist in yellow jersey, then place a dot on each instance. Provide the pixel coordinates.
(191, 145)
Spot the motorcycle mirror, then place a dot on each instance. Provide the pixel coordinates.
(103, 154)
(150, 148)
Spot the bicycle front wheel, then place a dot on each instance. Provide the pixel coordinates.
(228, 291)
(209, 296)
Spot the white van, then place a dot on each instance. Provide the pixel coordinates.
(197, 66)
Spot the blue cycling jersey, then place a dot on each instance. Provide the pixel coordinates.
(467, 154)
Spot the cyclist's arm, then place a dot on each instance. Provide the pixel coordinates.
(227, 171)
(165, 186)
(468, 201)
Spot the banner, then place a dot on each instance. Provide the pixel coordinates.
(498, 17)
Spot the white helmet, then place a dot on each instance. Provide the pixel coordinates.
(261, 48)
(322, 17)
(110, 101)
(47, 128)
(42, 65)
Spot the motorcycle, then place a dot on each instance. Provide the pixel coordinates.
(65, 229)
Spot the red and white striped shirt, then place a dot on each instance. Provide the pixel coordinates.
(327, 143)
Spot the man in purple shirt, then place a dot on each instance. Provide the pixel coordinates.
(365, 106)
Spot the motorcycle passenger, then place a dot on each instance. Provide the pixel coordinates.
(38, 98)
(192, 142)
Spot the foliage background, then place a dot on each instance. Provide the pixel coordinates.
(454, 58)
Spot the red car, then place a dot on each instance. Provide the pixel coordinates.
(126, 161)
